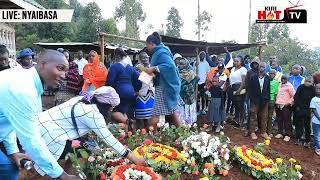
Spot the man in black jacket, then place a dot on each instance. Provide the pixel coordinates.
(302, 99)
(254, 70)
(259, 96)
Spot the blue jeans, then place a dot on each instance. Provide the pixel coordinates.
(8, 171)
(316, 134)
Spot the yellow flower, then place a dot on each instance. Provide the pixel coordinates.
(204, 178)
(291, 160)
(267, 142)
(249, 152)
(297, 167)
(258, 168)
(279, 160)
(273, 170)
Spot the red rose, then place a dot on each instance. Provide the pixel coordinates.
(102, 176)
(147, 142)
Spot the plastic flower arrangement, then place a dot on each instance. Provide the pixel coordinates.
(161, 157)
(129, 172)
(207, 154)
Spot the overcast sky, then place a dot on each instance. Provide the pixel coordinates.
(230, 17)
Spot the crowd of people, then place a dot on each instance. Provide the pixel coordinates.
(258, 97)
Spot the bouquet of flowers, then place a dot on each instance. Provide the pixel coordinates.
(160, 157)
(128, 172)
(207, 154)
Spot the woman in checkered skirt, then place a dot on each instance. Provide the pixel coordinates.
(167, 82)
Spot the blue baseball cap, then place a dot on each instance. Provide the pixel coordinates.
(24, 53)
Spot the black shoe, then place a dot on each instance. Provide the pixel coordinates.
(236, 126)
(298, 142)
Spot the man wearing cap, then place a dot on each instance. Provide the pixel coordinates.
(25, 58)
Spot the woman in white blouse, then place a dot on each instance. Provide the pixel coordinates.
(57, 127)
(237, 82)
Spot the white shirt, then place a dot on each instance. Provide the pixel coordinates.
(235, 75)
(261, 82)
(56, 126)
(315, 104)
(203, 69)
(81, 63)
(222, 77)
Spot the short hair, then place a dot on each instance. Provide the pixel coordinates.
(265, 64)
(284, 76)
(119, 54)
(273, 71)
(296, 66)
(308, 78)
(3, 49)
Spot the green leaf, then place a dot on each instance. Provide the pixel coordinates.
(83, 153)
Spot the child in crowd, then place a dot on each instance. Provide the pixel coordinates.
(216, 113)
(274, 87)
(295, 78)
(284, 101)
(315, 107)
(302, 113)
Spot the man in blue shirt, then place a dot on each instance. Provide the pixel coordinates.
(20, 94)
(269, 65)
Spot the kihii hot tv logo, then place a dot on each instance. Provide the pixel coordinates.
(292, 14)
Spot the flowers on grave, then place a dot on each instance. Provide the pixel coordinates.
(207, 154)
(161, 157)
(261, 167)
(128, 172)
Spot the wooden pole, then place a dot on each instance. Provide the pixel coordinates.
(101, 41)
(260, 53)
(197, 70)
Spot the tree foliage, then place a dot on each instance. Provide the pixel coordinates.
(174, 24)
(288, 51)
(84, 27)
(91, 21)
(132, 11)
(204, 20)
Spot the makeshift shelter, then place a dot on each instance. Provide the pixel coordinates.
(187, 47)
(86, 47)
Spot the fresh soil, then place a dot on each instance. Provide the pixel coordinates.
(309, 161)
